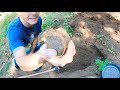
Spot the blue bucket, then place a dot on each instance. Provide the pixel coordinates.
(111, 71)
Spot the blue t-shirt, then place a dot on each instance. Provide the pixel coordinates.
(19, 35)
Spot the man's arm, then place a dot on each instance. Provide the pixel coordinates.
(34, 44)
(27, 62)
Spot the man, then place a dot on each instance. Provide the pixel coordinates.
(28, 54)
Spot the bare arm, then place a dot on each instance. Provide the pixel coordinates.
(27, 62)
(34, 44)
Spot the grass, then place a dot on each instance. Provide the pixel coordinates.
(58, 19)
(106, 43)
(3, 26)
(3, 44)
(5, 69)
(50, 19)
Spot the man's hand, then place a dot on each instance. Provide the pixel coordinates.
(46, 53)
(66, 58)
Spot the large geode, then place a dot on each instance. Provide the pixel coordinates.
(56, 39)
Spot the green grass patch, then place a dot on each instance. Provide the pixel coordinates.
(52, 18)
(5, 69)
(101, 38)
(4, 24)
(3, 33)
(68, 29)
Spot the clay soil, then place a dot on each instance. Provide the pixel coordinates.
(96, 35)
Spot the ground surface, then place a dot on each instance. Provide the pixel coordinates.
(96, 35)
(87, 27)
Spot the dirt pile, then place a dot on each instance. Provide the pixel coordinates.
(96, 35)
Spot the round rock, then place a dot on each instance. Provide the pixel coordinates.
(56, 39)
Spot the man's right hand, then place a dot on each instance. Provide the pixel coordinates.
(26, 62)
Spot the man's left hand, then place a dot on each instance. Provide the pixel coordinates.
(66, 58)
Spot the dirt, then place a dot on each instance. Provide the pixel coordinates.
(96, 35)
(86, 27)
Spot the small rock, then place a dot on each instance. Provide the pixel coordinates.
(82, 24)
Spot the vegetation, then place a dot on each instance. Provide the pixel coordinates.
(50, 20)
(101, 38)
(102, 63)
(4, 44)
(3, 26)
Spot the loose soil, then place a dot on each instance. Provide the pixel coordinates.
(96, 35)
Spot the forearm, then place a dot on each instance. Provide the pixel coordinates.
(34, 45)
(32, 50)
(30, 62)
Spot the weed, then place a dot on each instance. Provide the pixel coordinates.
(68, 29)
(3, 33)
(5, 69)
(102, 63)
(3, 26)
(70, 13)
(101, 39)
(51, 20)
